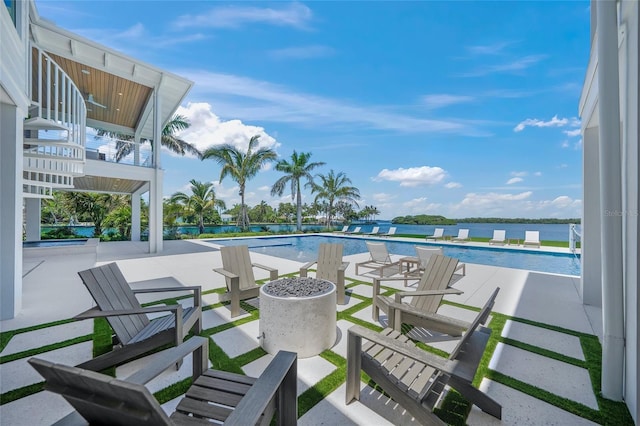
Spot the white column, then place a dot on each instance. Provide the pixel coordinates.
(135, 215)
(11, 120)
(591, 247)
(155, 186)
(611, 201)
(33, 215)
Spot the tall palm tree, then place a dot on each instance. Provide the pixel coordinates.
(297, 169)
(168, 139)
(203, 198)
(241, 166)
(334, 188)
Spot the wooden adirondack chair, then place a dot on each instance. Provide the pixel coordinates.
(135, 332)
(415, 378)
(330, 267)
(232, 399)
(421, 311)
(423, 255)
(238, 274)
(379, 259)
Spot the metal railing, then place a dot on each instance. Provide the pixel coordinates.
(105, 148)
(574, 238)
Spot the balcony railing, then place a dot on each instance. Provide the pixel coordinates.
(119, 151)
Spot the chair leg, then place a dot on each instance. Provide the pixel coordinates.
(476, 397)
(354, 365)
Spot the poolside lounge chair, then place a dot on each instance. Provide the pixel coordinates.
(421, 310)
(415, 378)
(531, 238)
(343, 230)
(438, 234)
(374, 231)
(379, 260)
(390, 232)
(238, 274)
(463, 236)
(219, 396)
(330, 267)
(356, 230)
(499, 237)
(136, 334)
(423, 255)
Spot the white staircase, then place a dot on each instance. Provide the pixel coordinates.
(54, 134)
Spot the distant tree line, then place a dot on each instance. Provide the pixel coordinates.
(515, 220)
(423, 219)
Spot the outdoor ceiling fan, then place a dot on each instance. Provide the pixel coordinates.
(93, 102)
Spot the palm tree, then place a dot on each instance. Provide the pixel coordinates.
(334, 188)
(203, 198)
(241, 166)
(298, 168)
(168, 139)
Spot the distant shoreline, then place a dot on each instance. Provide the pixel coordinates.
(441, 220)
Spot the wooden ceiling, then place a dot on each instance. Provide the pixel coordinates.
(106, 184)
(124, 100)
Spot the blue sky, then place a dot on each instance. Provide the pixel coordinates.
(454, 108)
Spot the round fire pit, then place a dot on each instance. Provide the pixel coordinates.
(298, 315)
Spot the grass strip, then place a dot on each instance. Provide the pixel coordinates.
(173, 391)
(46, 348)
(22, 392)
(6, 336)
(250, 356)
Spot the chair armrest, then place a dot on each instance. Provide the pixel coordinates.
(437, 318)
(401, 294)
(98, 313)
(278, 377)
(197, 292)
(344, 266)
(226, 273)
(304, 268)
(273, 272)
(406, 349)
(170, 357)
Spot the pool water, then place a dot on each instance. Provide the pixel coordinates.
(54, 243)
(305, 249)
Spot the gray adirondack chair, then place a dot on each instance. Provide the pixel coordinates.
(232, 399)
(136, 334)
(238, 274)
(421, 310)
(415, 378)
(330, 267)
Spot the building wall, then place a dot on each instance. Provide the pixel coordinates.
(629, 81)
(14, 102)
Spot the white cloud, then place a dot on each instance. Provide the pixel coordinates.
(413, 176)
(452, 185)
(517, 65)
(489, 49)
(382, 197)
(537, 173)
(565, 144)
(514, 180)
(238, 96)
(295, 15)
(519, 174)
(419, 206)
(572, 133)
(443, 100)
(554, 122)
(207, 129)
(302, 52)
(515, 205)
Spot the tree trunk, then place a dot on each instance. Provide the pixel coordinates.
(298, 209)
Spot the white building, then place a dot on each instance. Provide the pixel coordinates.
(609, 111)
(53, 84)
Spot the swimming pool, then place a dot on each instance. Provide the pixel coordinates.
(305, 249)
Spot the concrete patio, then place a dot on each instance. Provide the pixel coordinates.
(542, 325)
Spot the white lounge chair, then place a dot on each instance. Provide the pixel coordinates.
(379, 259)
(390, 232)
(344, 229)
(438, 234)
(374, 231)
(463, 236)
(499, 237)
(355, 231)
(531, 238)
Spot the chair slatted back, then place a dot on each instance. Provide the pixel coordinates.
(437, 276)
(236, 260)
(532, 236)
(392, 230)
(378, 252)
(499, 235)
(329, 260)
(101, 399)
(425, 253)
(463, 234)
(438, 233)
(111, 291)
